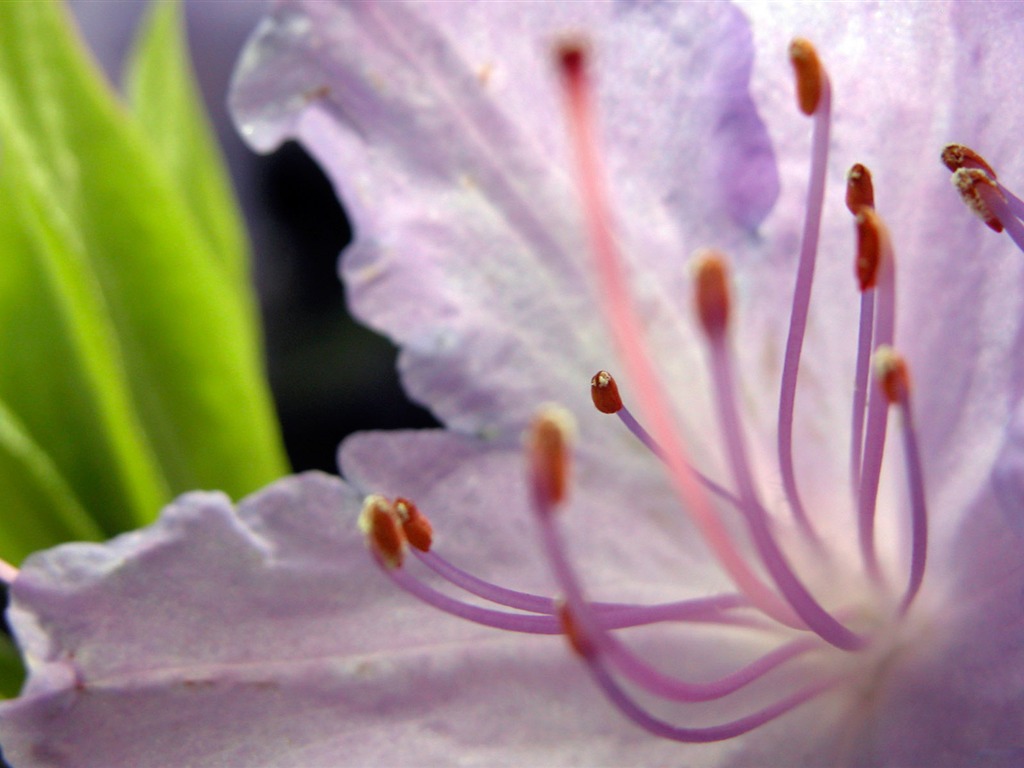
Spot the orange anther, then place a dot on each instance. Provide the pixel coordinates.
(957, 156)
(711, 284)
(415, 525)
(892, 373)
(869, 247)
(860, 191)
(577, 640)
(973, 184)
(810, 75)
(549, 453)
(605, 393)
(380, 524)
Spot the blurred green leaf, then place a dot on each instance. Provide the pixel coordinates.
(130, 359)
(162, 91)
(12, 672)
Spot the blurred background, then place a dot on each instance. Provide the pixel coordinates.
(329, 375)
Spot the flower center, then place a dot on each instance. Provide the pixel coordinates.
(859, 630)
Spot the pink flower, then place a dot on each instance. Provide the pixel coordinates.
(887, 628)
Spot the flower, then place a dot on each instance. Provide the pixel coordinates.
(443, 128)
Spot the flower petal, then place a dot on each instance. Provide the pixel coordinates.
(476, 262)
(266, 637)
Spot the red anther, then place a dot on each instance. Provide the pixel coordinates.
(549, 453)
(860, 191)
(415, 525)
(810, 76)
(579, 642)
(957, 156)
(711, 283)
(892, 373)
(869, 247)
(572, 57)
(380, 524)
(605, 393)
(967, 182)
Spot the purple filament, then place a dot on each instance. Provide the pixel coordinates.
(878, 410)
(861, 379)
(817, 619)
(918, 507)
(801, 302)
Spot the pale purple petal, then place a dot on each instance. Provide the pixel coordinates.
(264, 636)
(442, 128)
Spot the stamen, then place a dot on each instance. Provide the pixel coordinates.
(891, 371)
(605, 393)
(872, 233)
(577, 640)
(380, 525)
(718, 609)
(415, 525)
(970, 183)
(712, 293)
(957, 156)
(860, 190)
(860, 194)
(627, 418)
(1005, 206)
(803, 603)
(536, 624)
(591, 641)
(811, 80)
(651, 724)
(549, 459)
(629, 338)
(815, 97)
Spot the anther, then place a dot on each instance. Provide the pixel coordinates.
(577, 640)
(711, 292)
(973, 184)
(415, 525)
(380, 524)
(869, 247)
(810, 75)
(957, 156)
(605, 393)
(860, 191)
(572, 55)
(892, 374)
(549, 439)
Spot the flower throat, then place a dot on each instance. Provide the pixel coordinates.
(770, 594)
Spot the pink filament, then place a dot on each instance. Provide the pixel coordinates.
(627, 332)
(801, 302)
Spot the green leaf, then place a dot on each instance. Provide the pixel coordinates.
(130, 360)
(161, 87)
(12, 672)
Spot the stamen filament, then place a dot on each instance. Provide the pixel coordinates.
(629, 338)
(714, 609)
(625, 704)
(894, 380)
(870, 225)
(1003, 210)
(918, 508)
(641, 434)
(861, 380)
(822, 115)
(529, 623)
(816, 618)
(590, 639)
